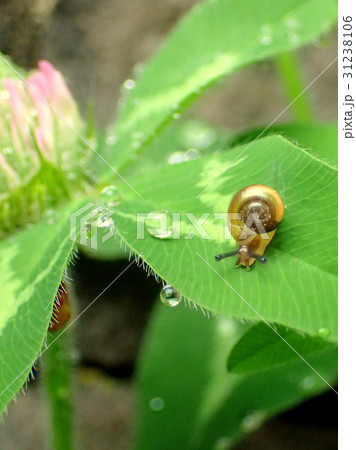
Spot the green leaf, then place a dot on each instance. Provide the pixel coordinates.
(261, 348)
(297, 288)
(32, 263)
(183, 141)
(321, 138)
(215, 39)
(187, 398)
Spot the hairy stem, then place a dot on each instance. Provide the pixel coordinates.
(58, 382)
(290, 74)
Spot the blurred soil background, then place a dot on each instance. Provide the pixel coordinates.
(98, 45)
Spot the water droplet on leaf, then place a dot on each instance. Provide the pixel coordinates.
(156, 404)
(323, 332)
(222, 443)
(129, 84)
(294, 38)
(176, 157)
(105, 221)
(110, 191)
(192, 153)
(170, 296)
(292, 22)
(308, 383)
(266, 40)
(159, 224)
(252, 421)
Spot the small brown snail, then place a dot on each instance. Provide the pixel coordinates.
(253, 217)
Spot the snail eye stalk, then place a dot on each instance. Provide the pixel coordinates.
(261, 259)
(226, 255)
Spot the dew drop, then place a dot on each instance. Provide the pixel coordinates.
(176, 116)
(159, 224)
(104, 221)
(137, 135)
(129, 84)
(176, 157)
(294, 38)
(292, 22)
(192, 153)
(323, 332)
(170, 296)
(72, 176)
(138, 101)
(266, 40)
(252, 421)
(222, 443)
(156, 404)
(266, 36)
(51, 216)
(138, 68)
(111, 138)
(308, 383)
(110, 191)
(198, 136)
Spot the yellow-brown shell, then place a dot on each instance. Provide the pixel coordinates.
(253, 217)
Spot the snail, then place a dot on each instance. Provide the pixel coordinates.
(253, 217)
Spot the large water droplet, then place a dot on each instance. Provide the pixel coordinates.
(156, 404)
(198, 136)
(159, 224)
(323, 332)
(129, 84)
(170, 296)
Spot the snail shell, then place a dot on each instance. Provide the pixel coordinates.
(253, 217)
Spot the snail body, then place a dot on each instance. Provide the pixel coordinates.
(253, 217)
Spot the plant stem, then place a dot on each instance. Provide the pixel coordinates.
(290, 74)
(58, 382)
